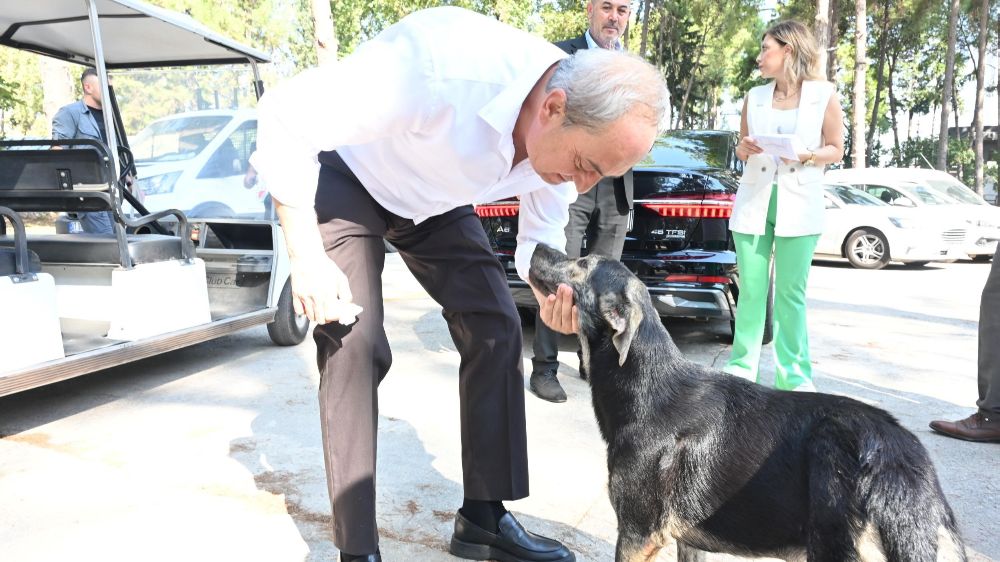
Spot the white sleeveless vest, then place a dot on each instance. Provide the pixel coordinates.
(800, 192)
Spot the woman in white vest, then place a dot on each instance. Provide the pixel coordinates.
(779, 204)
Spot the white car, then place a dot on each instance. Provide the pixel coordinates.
(918, 187)
(870, 233)
(198, 162)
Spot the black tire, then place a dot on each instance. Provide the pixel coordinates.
(982, 258)
(768, 335)
(867, 249)
(287, 328)
(210, 210)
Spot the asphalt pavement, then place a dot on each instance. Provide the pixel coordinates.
(213, 453)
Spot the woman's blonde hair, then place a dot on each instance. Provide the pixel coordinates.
(803, 62)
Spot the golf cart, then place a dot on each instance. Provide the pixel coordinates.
(74, 303)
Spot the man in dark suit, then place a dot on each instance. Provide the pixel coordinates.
(601, 214)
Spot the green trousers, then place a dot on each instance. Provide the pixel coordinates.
(792, 260)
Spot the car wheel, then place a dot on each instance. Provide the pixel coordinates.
(287, 328)
(867, 249)
(982, 258)
(211, 210)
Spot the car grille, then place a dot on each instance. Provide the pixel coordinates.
(955, 236)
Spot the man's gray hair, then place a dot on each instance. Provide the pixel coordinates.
(603, 85)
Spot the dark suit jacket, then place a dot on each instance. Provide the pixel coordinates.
(624, 189)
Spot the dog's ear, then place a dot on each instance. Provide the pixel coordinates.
(624, 318)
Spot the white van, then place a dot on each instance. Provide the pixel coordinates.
(919, 187)
(198, 162)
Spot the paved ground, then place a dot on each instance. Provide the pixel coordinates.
(213, 453)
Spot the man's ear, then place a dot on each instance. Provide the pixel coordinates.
(553, 106)
(624, 317)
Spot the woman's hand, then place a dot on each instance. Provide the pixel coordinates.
(747, 148)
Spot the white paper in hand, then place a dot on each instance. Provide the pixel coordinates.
(348, 312)
(783, 146)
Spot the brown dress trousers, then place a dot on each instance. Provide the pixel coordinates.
(451, 258)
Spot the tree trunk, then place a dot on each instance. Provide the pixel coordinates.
(893, 106)
(690, 80)
(645, 28)
(949, 80)
(883, 51)
(325, 32)
(821, 28)
(977, 125)
(831, 62)
(860, 65)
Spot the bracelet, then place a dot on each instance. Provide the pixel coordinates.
(811, 161)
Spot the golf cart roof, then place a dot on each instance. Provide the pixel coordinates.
(61, 29)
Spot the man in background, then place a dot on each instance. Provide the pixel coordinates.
(84, 119)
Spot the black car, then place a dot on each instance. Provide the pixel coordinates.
(678, 241)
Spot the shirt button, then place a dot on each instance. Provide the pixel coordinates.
(793, 169)
(763, 169)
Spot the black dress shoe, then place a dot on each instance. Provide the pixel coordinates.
(545, 385)
(510, 544)
(377, 557)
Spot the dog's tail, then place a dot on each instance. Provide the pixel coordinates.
(906, 504)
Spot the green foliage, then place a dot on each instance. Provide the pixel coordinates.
(921, 152)
(21, 95)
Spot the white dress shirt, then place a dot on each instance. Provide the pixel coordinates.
(424, 115)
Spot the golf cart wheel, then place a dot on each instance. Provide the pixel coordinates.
(287, 328)
(867, 249)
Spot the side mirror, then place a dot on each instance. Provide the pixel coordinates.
(903, 202)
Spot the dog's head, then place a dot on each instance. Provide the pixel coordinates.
(609, 298)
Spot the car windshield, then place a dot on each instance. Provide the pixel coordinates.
(690, 149)
(956, 190)
(852, 196)
(928, 195)
(176, 139)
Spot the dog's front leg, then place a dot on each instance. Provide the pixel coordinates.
(687, 553)
(635, 548)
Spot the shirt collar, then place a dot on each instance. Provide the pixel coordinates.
(592, 44)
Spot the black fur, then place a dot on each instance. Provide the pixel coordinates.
(724, 465)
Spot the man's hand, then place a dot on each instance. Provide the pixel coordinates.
(558, 311)
(320, 290)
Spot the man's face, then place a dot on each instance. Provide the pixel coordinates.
(608, 19)
(92, 88)
(560, 154)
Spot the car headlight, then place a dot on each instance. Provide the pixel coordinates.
(156, 185)
(900, 222)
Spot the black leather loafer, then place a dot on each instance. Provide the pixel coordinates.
(511, 544)
(361, 557)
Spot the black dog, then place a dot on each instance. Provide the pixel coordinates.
(724, 465)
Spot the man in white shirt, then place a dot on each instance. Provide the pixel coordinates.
(444, 109)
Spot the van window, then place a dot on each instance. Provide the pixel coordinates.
(176, 139)
(232, 157)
